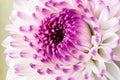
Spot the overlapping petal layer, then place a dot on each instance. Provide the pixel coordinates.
(64, 40)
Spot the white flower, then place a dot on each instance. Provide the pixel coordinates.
(64, 40)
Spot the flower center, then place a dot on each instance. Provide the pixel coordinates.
(62, 33)
(58, 35)
(52, 30)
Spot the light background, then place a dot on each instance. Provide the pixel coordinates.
(5, 10)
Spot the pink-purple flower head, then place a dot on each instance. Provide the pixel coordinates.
(64, 40)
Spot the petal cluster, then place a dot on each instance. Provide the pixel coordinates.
(64, 40)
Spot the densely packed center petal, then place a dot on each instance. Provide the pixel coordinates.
(61, 34)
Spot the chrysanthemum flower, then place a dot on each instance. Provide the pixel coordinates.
(64, 40)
